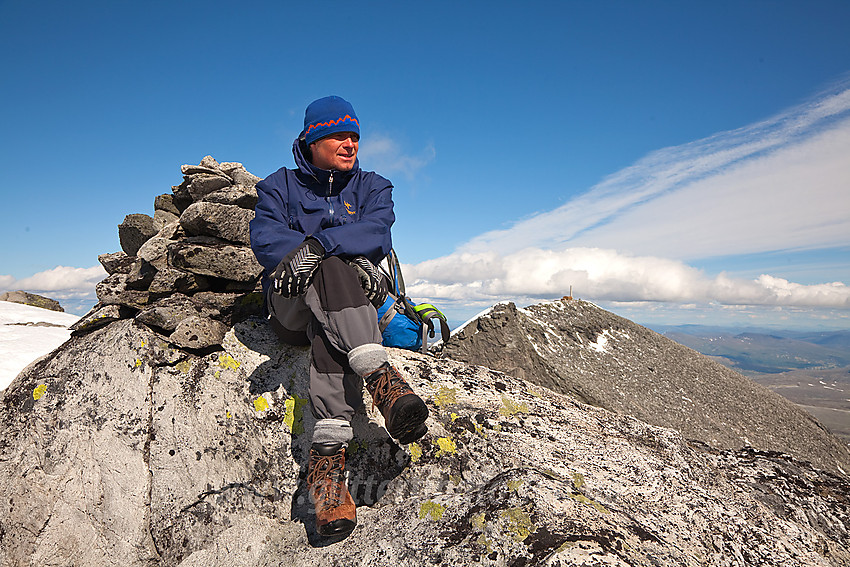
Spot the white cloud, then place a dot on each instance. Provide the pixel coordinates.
(383, 154)
(780, 184)
(60, 283)
(603, 274)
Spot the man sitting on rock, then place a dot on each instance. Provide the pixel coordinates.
(319, 231)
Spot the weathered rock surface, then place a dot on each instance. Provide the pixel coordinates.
(116, 262)
(190, 246)
(134, 231)
(579, 349)
(222, 261)
(228, 222)
(166, 204)
(231, 196)
(120, 449)
(198, 333)
(32, 299)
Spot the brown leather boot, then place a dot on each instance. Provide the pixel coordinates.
(404, 412)
(335, 511)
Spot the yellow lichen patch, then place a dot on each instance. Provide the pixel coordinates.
(294, 415)
(432, 509)
(184, 366)
(482, 540)
(446, 445)
(227, 414)
(39, 391)
(415, 452)
(454, 416)
(227, 361)
(585, 500)
(514, 484)
(578, 480)
(218, 373)
(456, 479)
(535, 393)
(518, 523)
(142, 343)
(478, 521)
(260, 404)
(479, 429)
(138, 363)
(510, 407)
(445, 396)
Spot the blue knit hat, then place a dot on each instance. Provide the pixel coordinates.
(327, 116)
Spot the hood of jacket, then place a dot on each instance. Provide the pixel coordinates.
(320, 177)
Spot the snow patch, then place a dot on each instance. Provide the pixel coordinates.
(21, 344)
(601, 344)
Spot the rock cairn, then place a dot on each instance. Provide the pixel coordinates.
(188, 272)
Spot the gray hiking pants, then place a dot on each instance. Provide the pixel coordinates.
(341, 326)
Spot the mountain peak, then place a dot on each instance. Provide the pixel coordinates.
(577, 348)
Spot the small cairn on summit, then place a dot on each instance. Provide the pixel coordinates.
(188, 272)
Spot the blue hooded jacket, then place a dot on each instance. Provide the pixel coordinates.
(350, 213)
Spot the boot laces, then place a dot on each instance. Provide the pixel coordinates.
(327, 478)
(388, 387)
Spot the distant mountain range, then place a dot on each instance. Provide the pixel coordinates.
(764, 350)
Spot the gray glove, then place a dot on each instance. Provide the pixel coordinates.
(371, 280)
(295, 272)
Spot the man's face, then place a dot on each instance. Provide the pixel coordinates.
(337, 151)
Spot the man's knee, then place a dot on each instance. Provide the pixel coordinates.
(338, 286)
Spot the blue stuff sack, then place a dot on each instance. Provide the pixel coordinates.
(398, 330)
(405, 324)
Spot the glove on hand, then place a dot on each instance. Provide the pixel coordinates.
(295, 272)
(371, 280)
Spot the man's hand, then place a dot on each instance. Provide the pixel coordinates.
(370, 279)
(295, 272)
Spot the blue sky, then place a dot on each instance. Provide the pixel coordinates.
(679, 162)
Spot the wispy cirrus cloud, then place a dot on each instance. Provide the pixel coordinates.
(383, 154)
(780, 184)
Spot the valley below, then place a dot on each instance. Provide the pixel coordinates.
(810, 369)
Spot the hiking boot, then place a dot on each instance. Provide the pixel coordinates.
(404, 412)
(335, 510)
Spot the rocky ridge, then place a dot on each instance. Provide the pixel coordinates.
(579, 349)
(32, 299)
(119, 445)
(188, 272)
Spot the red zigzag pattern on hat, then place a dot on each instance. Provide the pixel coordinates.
(332, 123)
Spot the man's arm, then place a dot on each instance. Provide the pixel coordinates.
(271, 236)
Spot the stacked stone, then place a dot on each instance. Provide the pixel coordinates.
(188, 272)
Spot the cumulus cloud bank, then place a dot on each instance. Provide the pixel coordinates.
(61, 283)
(606, 275)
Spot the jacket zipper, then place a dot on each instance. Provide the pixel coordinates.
(330, 190)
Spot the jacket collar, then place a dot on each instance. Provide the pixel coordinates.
(321, 176)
